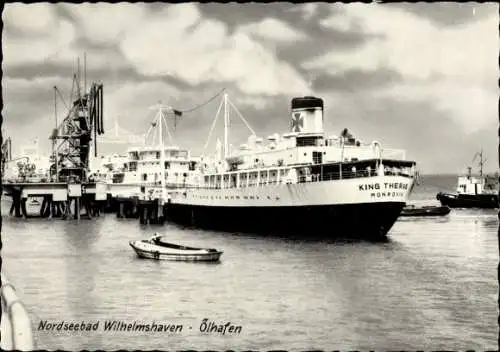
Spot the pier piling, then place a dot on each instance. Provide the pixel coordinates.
(88, 208)
(150, 212)
(77, 201)
(23, 208)
(120, 213)
(16, 203)
(42, 208)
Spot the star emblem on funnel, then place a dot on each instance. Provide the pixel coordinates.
(297, 122)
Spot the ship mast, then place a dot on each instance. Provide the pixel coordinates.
(481, 162)
(226, 122)
(54, 142)
(162, 152)
(227, 104)
(158, 122)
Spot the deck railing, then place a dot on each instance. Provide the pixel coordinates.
(16, 329)
(263, 181)
(301, 179)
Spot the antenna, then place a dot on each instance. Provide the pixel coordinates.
(481, 161)
(78, 77)
(469, 171)
(54, 141)
(55, 105)
(85, 72)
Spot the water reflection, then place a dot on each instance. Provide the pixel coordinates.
(312, 237)
(431, 285)
(83, 270)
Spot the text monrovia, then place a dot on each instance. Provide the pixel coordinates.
(385, 189)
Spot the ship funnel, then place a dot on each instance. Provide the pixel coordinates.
(307, 115)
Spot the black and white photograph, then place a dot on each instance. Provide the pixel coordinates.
(250, 176)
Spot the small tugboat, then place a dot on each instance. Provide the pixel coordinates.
(428, 210)
(155, 248)
(472, 191)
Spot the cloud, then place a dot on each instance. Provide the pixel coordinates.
(450, 13)
(28, 110)
(51, 44)
(413, 45)
(105, 23)
(273, 29)
(21, 118)
(355, 80)
(312, 13)
(470, 105)
(34, 34)
(144, 94)
(452, 67)
(427, 132)
(31, 19)
(308, 10)
(401, 74)
(201, 50)
(35, 96)
(257, 102)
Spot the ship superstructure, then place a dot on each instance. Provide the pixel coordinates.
(150, 170)
(301, 181)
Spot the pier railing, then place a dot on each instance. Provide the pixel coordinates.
(16, 329)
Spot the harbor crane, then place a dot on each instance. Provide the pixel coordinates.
(72, 138)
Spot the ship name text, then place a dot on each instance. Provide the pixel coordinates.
(383, 186)
(384, 189)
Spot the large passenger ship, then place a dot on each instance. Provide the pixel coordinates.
(302, 181)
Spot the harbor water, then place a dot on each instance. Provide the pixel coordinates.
(432, 286)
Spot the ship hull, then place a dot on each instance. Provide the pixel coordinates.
(484, 201)
(365, 221)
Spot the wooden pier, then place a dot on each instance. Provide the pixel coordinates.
(147, 211)
(137, 201)
(60, 200)
(87, 200)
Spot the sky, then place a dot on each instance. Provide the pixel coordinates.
(420, 77)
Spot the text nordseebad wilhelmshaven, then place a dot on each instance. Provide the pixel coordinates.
(109, 325)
